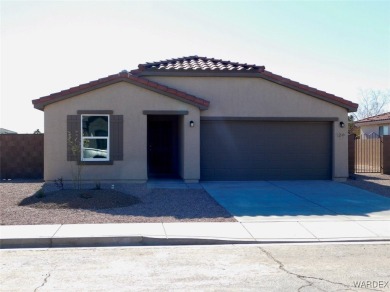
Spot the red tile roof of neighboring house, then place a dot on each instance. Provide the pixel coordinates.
(122, 76)
(377, 118)
(195, 65)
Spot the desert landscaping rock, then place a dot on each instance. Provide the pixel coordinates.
(80, 199)
(373, 182)
(153, 205)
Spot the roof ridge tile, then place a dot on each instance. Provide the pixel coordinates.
(193, 62)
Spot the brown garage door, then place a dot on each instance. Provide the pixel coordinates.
(258, 150)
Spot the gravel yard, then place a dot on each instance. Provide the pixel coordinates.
(373, 182)
(150, 205)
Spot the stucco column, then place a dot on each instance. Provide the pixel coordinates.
(191, 147)
(340, 151)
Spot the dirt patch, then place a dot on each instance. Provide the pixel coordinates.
(80, 199)
(20, 206)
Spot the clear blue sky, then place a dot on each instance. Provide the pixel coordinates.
(336, 46)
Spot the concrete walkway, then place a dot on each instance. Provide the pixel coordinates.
(267, 212)
(72, 235)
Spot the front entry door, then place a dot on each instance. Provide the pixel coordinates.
(163, 146)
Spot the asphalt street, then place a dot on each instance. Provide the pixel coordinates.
(314, 267)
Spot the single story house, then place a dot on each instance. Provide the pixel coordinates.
(196, 118)
(378, 125)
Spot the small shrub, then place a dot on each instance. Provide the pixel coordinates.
(97, 185)
(40, 193)
(74, 145)
(86, 195)
(59, 182)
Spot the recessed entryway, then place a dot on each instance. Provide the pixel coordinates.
(163, 146)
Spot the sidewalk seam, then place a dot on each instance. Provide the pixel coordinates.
(377, 235)
(247, 230)
(57, 231)
(308, 230)
(165, 232)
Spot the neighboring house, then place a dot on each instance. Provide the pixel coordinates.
(5, 131)
(197, 118)
(380, 125)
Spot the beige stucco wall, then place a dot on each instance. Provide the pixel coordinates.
(255, 97)
(229, 97)
(130, 101)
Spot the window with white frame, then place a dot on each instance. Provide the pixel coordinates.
(95, 139)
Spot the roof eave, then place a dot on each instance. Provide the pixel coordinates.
(42, 102)
(349, 106)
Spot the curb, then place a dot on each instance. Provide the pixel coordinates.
(10, 243)
(69, 242)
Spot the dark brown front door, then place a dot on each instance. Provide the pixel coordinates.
(162, 146)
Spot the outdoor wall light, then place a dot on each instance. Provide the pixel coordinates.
(192, 124)
(342, 124)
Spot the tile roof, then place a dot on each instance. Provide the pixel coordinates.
(199, 63)
(122, 76)
(195, 65)
(377, 118)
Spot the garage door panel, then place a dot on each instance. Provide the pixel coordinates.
(266, 174)
(253, 150)
(237, 174)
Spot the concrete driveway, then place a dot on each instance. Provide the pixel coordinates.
(298, 201)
